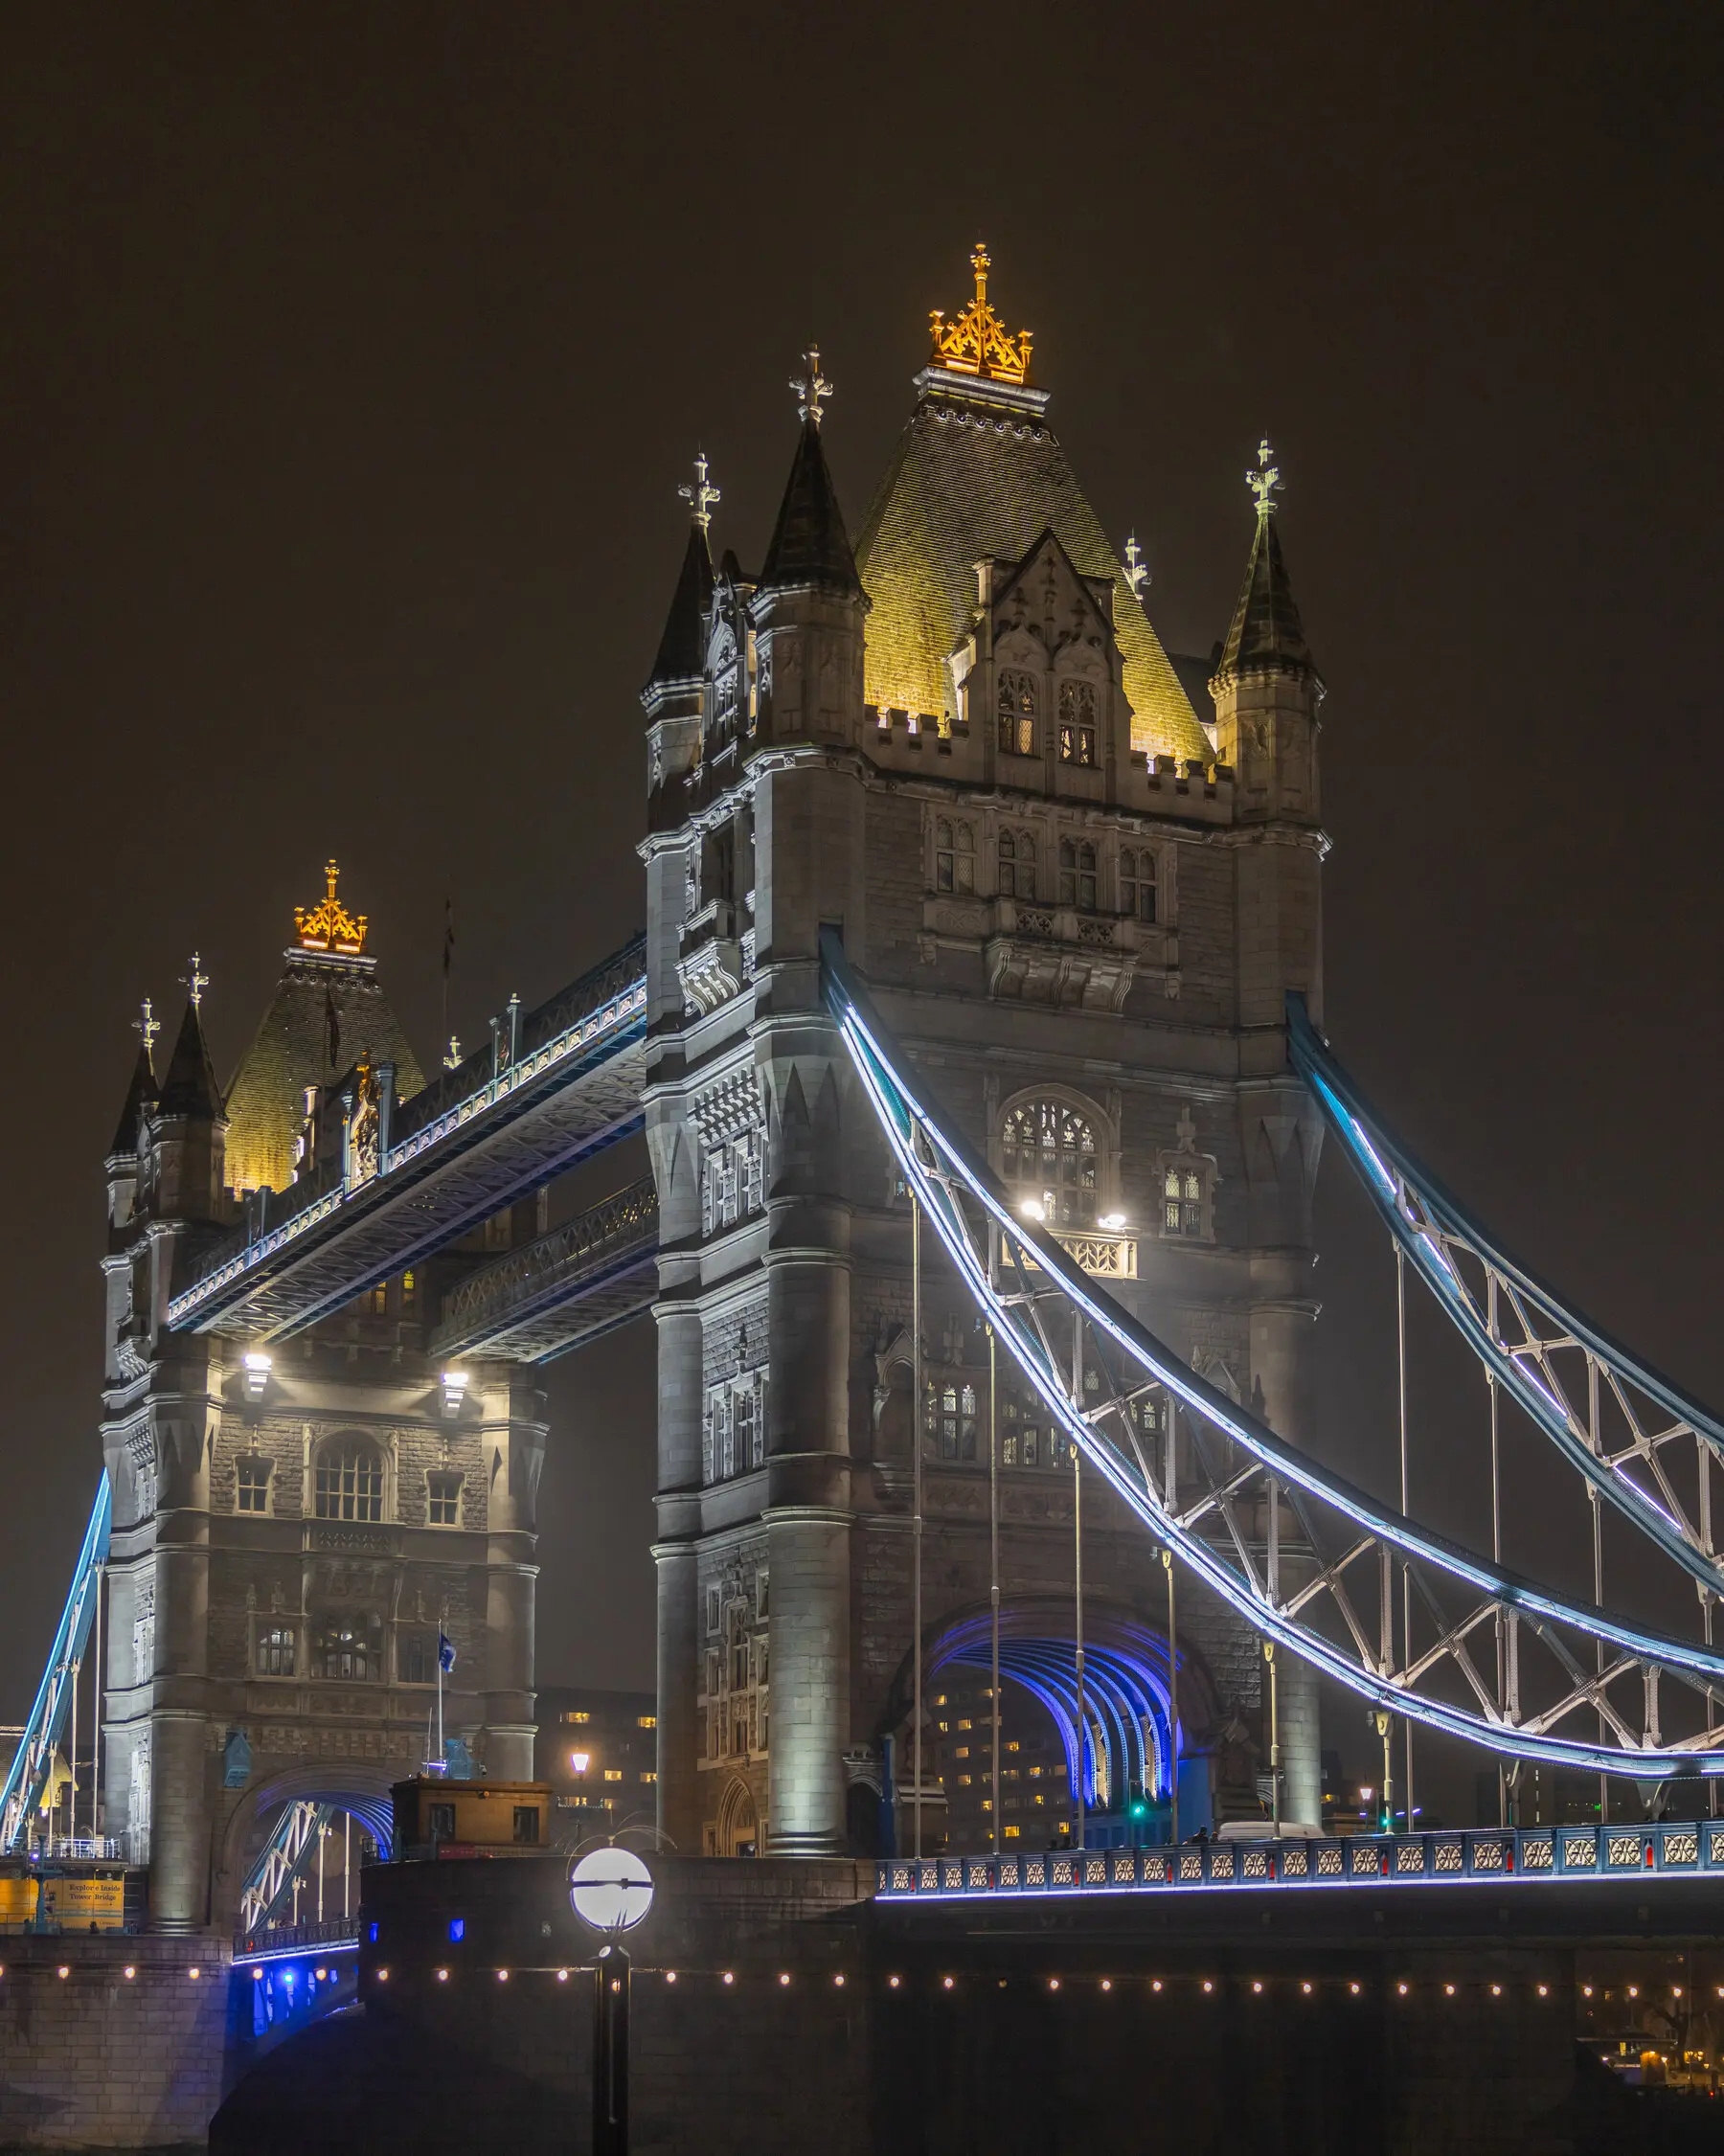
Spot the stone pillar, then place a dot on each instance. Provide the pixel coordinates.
(679, 1734)
(1281, 1324)
(807, 1453)
(681, 1415)
(512, 1411)
(180, 1767)
(808, 1549)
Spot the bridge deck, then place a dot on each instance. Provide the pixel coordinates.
(473, 1142)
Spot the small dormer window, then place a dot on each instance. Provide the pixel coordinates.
(1077, 723)
(1078, 874)
(1137, 882)
(1017, 711)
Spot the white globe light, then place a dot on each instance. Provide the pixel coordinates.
(610, 1889)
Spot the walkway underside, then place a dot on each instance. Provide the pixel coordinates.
(570, 1288)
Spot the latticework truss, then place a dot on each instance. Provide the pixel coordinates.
(1310, 1561)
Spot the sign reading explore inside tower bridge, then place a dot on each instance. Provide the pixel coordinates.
(1496, 1854)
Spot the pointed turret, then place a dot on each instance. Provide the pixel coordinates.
(1267, 688)
(189, 1088)
(808, 609)
(810, 546)
(682, 648)
(1266, 629)
(140, 1095)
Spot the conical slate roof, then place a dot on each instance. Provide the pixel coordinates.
(682, 648)
(809, 543)
(290, 1050)
(969, 484)
(1266, 629)
(189, 1088)
(140, 1095)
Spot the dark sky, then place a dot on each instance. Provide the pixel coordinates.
(352, 358)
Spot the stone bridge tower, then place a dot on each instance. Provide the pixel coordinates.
(295, 1519)
(1081, 877)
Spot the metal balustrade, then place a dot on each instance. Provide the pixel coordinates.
(1498, 1856)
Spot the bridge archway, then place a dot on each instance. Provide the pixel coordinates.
(355, 1787)
(1128, 1743)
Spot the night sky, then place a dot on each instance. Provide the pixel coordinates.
(352, 359)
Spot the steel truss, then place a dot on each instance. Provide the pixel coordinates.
(1325, 1589)
(1615, 1422)
(285, 1857)
(34, 1760)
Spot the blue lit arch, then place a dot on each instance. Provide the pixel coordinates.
(1126, 1693)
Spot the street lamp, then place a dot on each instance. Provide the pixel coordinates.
(610, 1890)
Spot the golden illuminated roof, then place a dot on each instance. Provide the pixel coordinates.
(976, 342)
(329, 926)
(969, 484)
(322, 1020)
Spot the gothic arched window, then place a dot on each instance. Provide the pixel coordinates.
(1017, 711)
(1051, 1160)
(954, 855)
(1077, 724)
(349, 1648)
(1137, 882)
(1181, 1200)
(1017, 865)
(1078, 874)
(350, 1481)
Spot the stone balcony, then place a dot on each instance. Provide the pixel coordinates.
(711, 963)
(1102, 1254)
(1053, 955)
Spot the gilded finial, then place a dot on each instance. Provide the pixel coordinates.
(1264, 482)
(148, 1026)
(977, 342)
(196, 981)
(700, 497)
(329, 926)
(812, 390)
(1137, 573)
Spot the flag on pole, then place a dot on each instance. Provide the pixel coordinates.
(445, 1652)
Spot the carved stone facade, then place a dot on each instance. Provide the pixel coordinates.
(1069, 909)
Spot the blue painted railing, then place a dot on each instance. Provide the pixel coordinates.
(1497, 1854)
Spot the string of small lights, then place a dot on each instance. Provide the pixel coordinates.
(1113, 1984)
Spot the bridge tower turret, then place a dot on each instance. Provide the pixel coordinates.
(1268, 694)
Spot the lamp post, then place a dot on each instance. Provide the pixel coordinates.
(610, 1890)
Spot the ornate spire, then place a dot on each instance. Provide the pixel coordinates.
(812, 390)
(1266, 629)
(140, 1095)
(1137, 573)
(148, 1026)
(189, 1088)
(329, 926)
(809, 543)
(977, 342)
(700, 497)
(1265, 482)
(197, 982)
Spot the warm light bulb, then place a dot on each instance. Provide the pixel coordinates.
(1031, 1210)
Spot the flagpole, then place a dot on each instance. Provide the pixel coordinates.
(440, 1755)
